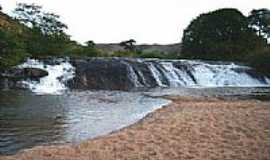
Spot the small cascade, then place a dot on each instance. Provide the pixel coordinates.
(132, 75)
(184, 77)
(230, 75)
(156, 74)
(142, 77)
(54, 83)
(171, 74)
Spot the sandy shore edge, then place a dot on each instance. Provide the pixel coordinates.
(188, 128)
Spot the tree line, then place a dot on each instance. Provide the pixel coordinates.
(32, 32)
(224, 34)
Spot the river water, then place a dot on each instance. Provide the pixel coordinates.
(50, 113)
(28, 120)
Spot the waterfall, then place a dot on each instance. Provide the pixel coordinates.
(208, 75)
(156, 74)
(132, 75)
(54, 83)
(203, 74)
(171, 74)
(126, 74)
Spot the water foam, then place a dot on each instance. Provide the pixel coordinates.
(200, 74)
(54, 83)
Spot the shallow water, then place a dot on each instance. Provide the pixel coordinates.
(228, 93)
(28, 120)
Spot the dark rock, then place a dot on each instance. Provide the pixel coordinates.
(110, 74)
(99, 73)
(24, 73)
(11, 79)
(34, 73)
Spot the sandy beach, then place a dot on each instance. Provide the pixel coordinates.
(188, 128)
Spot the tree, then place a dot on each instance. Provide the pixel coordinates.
(32, 16)
(129, 44)
(51, 25)
(28, 14)
(48, 35)
(222, 34)
(259, 20)
(90, 44)
(12, 49)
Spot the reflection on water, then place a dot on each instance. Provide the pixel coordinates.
(27, 120)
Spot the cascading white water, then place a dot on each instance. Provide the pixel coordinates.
(54, 83)
(195, 74)
(172, 74)
(156, 74)
(150, 73)
(198, 74)
(132, 75)
(208, 75)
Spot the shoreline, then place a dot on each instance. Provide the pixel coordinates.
(187, 128)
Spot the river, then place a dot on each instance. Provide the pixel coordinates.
(51, 113)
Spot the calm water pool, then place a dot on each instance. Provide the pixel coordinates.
(27, 120)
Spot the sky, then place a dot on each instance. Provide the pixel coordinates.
(146, 21)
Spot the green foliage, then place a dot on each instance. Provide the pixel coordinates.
(12, 49)
(28, 14)
(32, 16)
(129, 44)
(220, 35)
(138, 54)
(260, 60)
(124, 54)
(159, 55)
(259, 20)
(225, 34)
(47, 36)
(73, 49)
(22, 41)
(90, 44)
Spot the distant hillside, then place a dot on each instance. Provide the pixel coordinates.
(145, 48)
(171, 48)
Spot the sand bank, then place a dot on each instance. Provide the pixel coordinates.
(188, 128)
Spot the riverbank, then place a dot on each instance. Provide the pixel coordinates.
(188, 128)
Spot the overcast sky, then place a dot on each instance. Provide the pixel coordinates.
(146, 21)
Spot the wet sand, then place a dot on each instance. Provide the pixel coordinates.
(188, 128)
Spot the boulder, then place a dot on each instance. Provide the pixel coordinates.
(24, 73)
(34, 73)
(110, 74)
(98, 74)
(11, 79)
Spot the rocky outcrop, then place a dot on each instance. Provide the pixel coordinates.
(129, 74)
(24, 73)
(133, 74)
(100, 73)
(12, 78)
